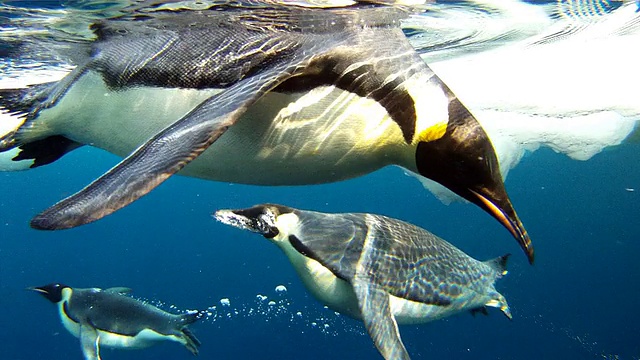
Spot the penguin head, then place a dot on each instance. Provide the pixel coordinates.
(464, 160)
(52, 292)
(260, 218)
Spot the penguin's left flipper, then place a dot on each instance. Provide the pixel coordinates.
(90, 342)
(380, 323)
(165, 153)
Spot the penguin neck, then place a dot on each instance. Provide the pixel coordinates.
(63, 307)
(65, 297)
(431, 101)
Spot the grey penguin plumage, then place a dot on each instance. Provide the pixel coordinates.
(278, 95)
(378, 269)
(111, 318)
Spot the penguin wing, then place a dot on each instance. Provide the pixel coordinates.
(90, 342)
(168, 151)
(380, 323)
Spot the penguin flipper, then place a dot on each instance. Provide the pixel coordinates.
(167, 152)
(90, 342)
(380, 323)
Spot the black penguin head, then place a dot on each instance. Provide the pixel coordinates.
(53, 292)
(260, 218)
(464, 161)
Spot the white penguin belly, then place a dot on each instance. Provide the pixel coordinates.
(143, 339)
(116, 120)
(320, 136)
(330, 290)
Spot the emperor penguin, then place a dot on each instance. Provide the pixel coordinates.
(378, 269)
(271, 95)
(111, 318)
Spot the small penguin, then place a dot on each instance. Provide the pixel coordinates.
(375, 268)
(274, 95)
(111, 318)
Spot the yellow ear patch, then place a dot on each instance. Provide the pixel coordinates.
(433, 132)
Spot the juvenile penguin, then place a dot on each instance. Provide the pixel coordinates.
(111, 318)
(273, 95)
(381, 270)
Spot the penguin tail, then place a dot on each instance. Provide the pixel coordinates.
(24, 144)
(499, 264)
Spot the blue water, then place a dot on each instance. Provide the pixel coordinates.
(577, 302)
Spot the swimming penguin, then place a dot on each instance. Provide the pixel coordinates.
(110, 318)
(279, 95)
(371, 267)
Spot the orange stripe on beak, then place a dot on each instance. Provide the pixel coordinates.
(514, 225)
(38, 290)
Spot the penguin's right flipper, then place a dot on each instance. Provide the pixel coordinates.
(90, 342)
(380, 323)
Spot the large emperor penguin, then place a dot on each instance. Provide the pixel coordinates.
(272, 95)
(111, 318)
(381, 270)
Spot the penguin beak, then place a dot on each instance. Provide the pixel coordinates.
(507, 216)
(230, 217)
(40, 290)
(259, 219)
(37, 289)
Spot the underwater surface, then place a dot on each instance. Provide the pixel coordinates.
(579, 300)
